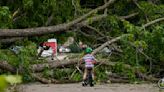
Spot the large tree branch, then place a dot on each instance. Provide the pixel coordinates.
(78, 25)
(50, 29)
(55, 64)
(153, 22)
(106, 44)
(64, 63)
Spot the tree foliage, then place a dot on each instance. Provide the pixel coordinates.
(143, 47)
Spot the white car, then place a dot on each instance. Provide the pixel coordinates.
(63, 49)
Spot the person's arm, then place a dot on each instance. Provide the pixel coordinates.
(80, 61)
(40, 51)
(94, 60)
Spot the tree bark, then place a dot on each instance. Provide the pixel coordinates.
(43, 80)
(152, 22)
(118, 80)
(64, 63)
(10, 40)
(129, 16)
(4, 65)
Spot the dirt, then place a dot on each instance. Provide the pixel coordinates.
(97, 88)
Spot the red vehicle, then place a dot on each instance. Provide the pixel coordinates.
(48, 48)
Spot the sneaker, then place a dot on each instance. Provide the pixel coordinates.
(91, 85)
(84, 83)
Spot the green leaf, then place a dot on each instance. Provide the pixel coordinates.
(3, 83)
(13, 79)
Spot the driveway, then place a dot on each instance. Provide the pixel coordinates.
(97, 88)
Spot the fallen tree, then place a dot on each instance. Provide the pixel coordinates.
(40, 67)
(55, 64)
(103, 32)
(83, 23)
(65, 63)
(4, 65)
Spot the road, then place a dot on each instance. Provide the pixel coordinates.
(97, 88)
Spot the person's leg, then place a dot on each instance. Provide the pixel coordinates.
(40, 51)
(93, 74)
(85, 74)
(52, 56)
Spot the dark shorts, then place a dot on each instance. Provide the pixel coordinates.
(89, 68)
